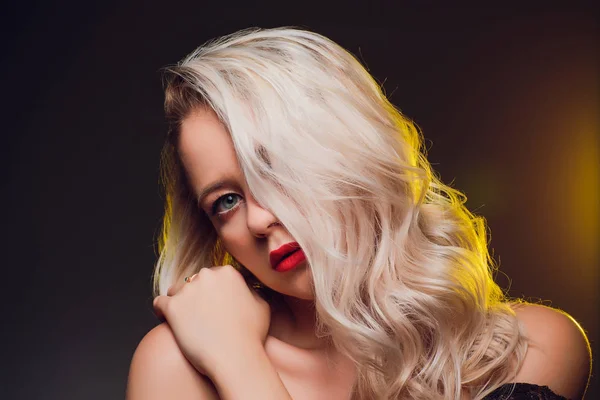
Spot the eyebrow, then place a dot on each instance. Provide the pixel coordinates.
(213, 187)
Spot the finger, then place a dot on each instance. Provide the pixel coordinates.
(160, 304)
(174, 289)
(228, 268)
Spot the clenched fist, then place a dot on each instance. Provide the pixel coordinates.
(214, 317)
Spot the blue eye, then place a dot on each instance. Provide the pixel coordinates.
(228, 201)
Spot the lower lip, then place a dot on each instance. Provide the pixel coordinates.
(291, 261)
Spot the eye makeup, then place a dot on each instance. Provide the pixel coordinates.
(223, 201)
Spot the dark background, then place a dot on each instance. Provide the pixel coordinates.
(507, 97)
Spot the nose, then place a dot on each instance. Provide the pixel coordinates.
(259, 220)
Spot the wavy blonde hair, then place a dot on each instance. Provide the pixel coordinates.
(402, 276)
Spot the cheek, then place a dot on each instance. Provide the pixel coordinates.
(236, 238)
(233, 230)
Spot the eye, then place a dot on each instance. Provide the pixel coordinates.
(228, 201)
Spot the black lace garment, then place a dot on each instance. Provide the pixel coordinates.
(523, 391)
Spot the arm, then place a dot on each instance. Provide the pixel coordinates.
(225, 343)
(160, 371)
(249, 374)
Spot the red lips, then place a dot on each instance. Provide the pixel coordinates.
(277, 255)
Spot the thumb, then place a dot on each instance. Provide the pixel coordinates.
(160, 304)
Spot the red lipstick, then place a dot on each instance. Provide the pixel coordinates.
(287, 257)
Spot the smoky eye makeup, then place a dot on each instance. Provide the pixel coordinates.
(225, 204)
(219, 185)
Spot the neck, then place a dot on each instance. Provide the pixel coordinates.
(297, 325)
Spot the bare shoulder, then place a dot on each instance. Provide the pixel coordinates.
(559, 353)
(159, 370)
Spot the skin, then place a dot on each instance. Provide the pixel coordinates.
(242, 350)
(248, 231)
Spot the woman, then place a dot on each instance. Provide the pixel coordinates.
(310, 252)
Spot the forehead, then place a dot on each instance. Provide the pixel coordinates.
(206, 149)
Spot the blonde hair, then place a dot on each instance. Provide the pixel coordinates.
(402, 276)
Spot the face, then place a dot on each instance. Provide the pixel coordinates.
(248, 231)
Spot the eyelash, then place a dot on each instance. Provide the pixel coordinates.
(215, 205)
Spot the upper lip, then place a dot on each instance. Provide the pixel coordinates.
(276, 255)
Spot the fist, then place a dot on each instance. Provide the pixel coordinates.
(214, 317)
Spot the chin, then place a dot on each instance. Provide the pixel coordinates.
(305, 296)
(298, 286)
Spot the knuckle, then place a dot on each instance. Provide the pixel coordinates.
(167, 306)
(229, 268)
(231, 271)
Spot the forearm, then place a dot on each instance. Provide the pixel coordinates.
(249, 375)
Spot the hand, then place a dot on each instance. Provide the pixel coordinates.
(214, 317)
